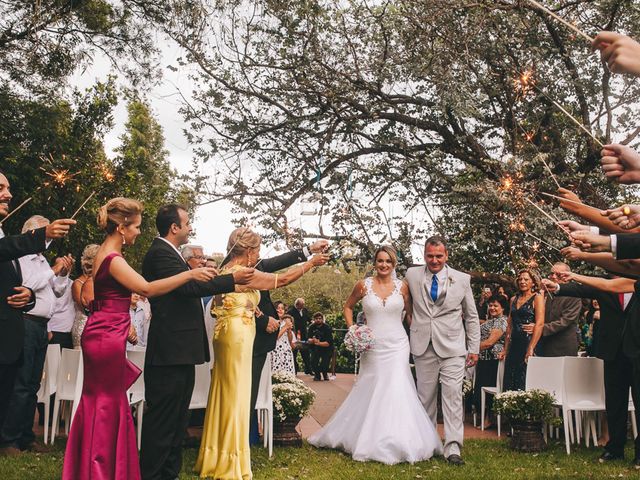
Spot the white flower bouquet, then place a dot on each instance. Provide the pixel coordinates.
(359, 339)
(291, 397)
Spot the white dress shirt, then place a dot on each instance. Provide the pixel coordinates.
(442, 278)
(64, 311)
(46, 285)
(138, 321)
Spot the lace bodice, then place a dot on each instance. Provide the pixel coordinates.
(384, 315)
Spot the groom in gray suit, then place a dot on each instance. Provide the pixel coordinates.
(445, 333)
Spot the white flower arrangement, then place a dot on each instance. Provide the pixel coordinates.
(291, 397)
(467, 387)
(525, 405)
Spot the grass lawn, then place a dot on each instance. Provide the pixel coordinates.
(486, 459)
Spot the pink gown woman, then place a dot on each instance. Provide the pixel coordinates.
(102, 441)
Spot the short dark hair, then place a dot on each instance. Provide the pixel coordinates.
(501, 300)
(318, 314)
(436, 240)
(167, 216)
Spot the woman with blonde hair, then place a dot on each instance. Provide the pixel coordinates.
(527, 307)
(102, 440)
(82, 292)
(224, 449)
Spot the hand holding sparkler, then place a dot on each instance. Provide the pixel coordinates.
(620, 52)
(58, 228)
(591, 242)
(621, 163)
(626, 216)
(575, 226)
(572, 253)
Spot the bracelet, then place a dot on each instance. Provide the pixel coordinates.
(276, 286)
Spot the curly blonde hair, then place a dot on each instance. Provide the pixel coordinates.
(535, 277)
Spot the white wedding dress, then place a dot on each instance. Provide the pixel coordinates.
(382, 419)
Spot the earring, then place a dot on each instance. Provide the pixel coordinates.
(124, 241)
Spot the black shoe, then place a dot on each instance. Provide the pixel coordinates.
(609, 457)
(455, 460)
(316, 378)
(325, 376)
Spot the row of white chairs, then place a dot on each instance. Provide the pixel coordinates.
(63, 376)
(577, 385)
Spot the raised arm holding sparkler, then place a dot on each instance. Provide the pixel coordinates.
(620, 52)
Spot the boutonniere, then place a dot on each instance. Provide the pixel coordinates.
(451, 281)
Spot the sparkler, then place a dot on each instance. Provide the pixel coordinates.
(15, 210)
(525, 83)
(554, 221)
(542, 241)
(562, 199)
(82, 206)
(549, 170)
(561, 20)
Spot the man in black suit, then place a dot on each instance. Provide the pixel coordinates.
(15, 298)
(267, 324)
(176, 342)
(614, 310)
(301, 321)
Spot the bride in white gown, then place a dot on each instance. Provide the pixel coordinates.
(382, 419)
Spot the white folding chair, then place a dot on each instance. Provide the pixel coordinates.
(583, 392)
(546, 373)
(264, 405)
(135, 394)
(484, 391)
(68, 386)
(200, 395)
(48, 383)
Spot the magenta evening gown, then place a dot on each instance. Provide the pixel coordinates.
(102, 440)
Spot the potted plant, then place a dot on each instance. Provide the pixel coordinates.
(526, 410)
(292, 400)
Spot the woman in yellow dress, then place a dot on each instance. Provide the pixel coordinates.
(224, 448)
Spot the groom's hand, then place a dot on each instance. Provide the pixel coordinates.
(472, 359)
(244, 276)
(273, 325)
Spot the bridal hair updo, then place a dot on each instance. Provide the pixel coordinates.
(389, 250)
(118, 211)
(241, 240)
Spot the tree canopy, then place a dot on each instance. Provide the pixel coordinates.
(447, 108)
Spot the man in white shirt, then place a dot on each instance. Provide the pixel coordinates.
(61, 321)
(47, 284)
(138, 319)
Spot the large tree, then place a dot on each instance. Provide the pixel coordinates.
(445, 107)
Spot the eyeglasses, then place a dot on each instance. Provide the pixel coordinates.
(199, 257)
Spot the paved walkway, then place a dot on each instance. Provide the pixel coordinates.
(331, 394)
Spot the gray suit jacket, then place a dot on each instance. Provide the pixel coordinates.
(451, 323)
(559, 336)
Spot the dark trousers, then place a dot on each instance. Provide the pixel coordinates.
(306, 360)
(17, 430)
(256, 371)
(168, 394)
(320, 359)
(8, 375)
(486, 373)
(620, 374)
(61, 338)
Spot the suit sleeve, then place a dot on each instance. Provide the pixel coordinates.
(164, 264)
(578, 290)
(285, 260)
(471, 321)
(627, 246)
(16, 246)
(568, 317)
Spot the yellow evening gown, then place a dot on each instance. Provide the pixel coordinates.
(224, 449)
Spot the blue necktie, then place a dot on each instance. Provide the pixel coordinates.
(434, 288)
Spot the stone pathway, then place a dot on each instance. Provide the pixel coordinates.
(331, 394)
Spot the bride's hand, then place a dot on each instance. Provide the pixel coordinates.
(203, 274)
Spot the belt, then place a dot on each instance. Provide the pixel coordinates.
(35, 318)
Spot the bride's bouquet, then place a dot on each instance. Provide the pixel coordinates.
(359, 338)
